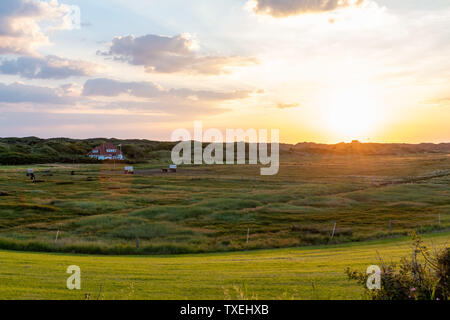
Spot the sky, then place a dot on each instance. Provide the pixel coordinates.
(322, 71)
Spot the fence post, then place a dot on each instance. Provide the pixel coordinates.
(390, 225)
(334, 229)
(100, 291)
(248, 234)
(137, 242)
(57, 234)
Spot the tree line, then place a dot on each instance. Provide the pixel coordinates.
(33, 150)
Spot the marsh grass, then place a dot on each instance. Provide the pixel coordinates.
(211, 208)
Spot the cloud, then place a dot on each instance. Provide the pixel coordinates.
(70, 89)
(439, 102)
(175, 109)
(21, 21)
(154, 99)
(288, 105)
(210, 95)
(170, 54)
(113, 88)
(18, 97)
(50, 67)
(285, 8)
(21, 93)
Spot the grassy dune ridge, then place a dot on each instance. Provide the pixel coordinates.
(199, 209)
(316, 272)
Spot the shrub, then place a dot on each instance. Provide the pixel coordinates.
(423, 276)
(172, 213)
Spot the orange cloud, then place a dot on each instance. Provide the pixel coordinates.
(285, 8)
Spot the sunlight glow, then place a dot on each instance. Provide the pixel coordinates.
(352, 113)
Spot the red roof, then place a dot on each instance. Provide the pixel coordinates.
(106, 149)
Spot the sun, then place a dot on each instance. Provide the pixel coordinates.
(351, 113)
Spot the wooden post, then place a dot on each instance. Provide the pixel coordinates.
(439, 219)
(248, 234)
(137, 242)
(100, 291)
(334, 229)
(390, 225)
(57, 234)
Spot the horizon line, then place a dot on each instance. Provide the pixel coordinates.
(300, 142)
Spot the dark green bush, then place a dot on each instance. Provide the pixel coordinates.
(423, 276)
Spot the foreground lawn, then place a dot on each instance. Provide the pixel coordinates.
(295, 273)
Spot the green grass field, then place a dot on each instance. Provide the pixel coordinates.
(293, 273)
(205, 213)
(100, 210)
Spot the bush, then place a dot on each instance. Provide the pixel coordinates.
(423, 276)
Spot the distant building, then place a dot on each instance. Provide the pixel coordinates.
(106, 151)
